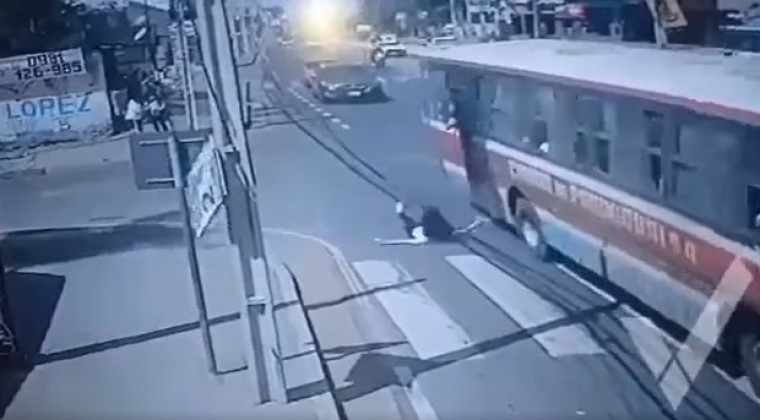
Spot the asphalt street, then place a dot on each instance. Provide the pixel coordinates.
(496, 332)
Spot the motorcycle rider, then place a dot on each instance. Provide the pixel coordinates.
(378, 57)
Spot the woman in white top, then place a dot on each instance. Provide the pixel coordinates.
(134, 114)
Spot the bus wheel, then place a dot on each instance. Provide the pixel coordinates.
(749, 350)
(529, 227)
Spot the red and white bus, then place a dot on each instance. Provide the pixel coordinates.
(640, 164)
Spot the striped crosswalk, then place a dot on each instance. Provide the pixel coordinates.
(525, 307)
(431, 332)
(426, 326)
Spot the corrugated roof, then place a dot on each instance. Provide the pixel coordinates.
(704, 80)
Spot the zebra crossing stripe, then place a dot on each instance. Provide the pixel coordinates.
(426, 326)
(525, 307)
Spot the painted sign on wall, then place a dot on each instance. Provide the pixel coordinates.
(55, 108)
(62, 113)
(43, 65)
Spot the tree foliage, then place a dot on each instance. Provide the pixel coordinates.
(35, 25)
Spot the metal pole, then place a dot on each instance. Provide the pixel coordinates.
(535, 18)
(149, 34)
(260, 332)
(187, 75)
(453, 11)
(192, 256)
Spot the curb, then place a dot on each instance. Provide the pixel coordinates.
(369, 329)
(300, 362)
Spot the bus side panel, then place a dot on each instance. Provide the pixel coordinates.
(574, 243)
(570, 241)
(579, 237)
(671, 281)
(673, 299)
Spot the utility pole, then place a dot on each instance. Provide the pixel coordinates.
(149, 34)
(231, 139)
(192, 254)
(191, 110)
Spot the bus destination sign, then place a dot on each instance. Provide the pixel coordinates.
(44, 65)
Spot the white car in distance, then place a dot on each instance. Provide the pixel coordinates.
(390, 45)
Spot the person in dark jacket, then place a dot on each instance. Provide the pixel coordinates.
(432, 226)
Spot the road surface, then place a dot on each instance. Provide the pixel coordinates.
(496, 332)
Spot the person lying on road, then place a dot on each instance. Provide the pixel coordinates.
(431, 227)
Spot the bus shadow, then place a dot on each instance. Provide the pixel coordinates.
(718, 358)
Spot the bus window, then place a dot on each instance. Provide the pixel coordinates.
(543, 111)
(685, 188)
(436, 106)
(753, 207)
(581, 149)
(503, 111)
(654, 130)
(750, 154)
(602, 154)
(486, 96)
(594, 133)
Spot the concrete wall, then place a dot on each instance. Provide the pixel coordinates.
(66, 108)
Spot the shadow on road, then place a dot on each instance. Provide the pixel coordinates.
(39, 247)
(340, 352)
(374, 371)
(32, 299)
(370, 292)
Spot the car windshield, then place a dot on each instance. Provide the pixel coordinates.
(388, 40)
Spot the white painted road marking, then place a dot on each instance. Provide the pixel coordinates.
(336, 120)
(327, 115)
(422, 407)
(426, 326)
(601, 293)
(345, 126)
(677, 370)
(526, 308)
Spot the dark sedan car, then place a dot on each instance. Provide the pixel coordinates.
(342, 82)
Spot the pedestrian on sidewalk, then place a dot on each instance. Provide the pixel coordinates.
(432, 226)
(158, 113)
(134, 114)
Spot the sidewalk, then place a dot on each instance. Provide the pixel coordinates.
(100, 286)
(362, 346)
